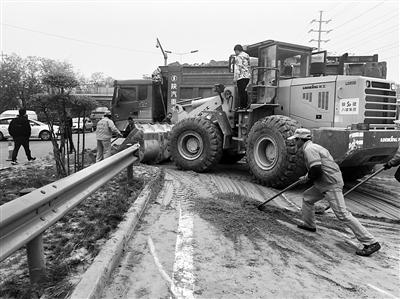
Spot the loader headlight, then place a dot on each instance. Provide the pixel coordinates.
(393, 86)
(368, 84)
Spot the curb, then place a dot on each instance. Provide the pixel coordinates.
(96, 276)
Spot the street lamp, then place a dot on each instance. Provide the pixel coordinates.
(158, 45)
(181, 53)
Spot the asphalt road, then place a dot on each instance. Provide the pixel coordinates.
(41, 149)
(197, 240)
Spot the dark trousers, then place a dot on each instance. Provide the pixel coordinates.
(68, 136)
(241, 85)
(18, 141)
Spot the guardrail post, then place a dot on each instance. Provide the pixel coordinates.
(130, 172)
(36, 261)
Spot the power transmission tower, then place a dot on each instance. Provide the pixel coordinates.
(320, 21)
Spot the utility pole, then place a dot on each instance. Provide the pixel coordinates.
(158, 45)
(3, 56)
(320, 21)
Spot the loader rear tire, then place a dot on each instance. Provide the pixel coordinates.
(196, 144)
(273, 160)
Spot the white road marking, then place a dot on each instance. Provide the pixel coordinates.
(183, 277)
(382, 291)
(160, 267)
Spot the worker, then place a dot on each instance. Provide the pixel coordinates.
(395, 161)
(241, 75)
(129, 127)
(168, 118)
(327, 181)
(104, 130)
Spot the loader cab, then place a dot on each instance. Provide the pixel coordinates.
(276, 61)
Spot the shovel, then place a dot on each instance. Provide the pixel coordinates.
(355, 187)
(278, 194)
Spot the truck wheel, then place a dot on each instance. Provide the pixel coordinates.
(196, 144)
(354, 173)
(230, 157)
(273, 160)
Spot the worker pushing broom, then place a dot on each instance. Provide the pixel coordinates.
(327, 181)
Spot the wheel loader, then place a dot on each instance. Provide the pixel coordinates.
(350, 114)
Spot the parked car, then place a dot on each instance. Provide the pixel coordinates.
(77, 124)
(14, 113)
(98, 114)
(38, 129)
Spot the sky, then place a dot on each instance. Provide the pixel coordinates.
(118, 37)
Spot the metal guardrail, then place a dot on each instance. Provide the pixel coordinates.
(23, 220)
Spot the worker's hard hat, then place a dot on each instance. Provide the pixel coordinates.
(301, 133)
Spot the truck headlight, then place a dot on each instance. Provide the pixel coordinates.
(368, 83)
(393, 86)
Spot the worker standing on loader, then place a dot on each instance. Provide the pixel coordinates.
(241, 75)
(327, 181)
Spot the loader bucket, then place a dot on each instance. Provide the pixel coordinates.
(153, 140)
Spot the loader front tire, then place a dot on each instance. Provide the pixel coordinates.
(196, 144)
(273, 160)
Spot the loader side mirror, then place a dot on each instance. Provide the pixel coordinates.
(219, 88)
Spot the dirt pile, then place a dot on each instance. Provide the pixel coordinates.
(265, 255)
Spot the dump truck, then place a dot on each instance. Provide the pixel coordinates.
(349, 109)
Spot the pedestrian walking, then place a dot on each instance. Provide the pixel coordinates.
(104, 130)
(241, 75)
(68, 133)
(327, 181)
(20, 131)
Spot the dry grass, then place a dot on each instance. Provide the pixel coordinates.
(73, 242)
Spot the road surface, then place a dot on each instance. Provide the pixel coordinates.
(41, 149)
(200, 239)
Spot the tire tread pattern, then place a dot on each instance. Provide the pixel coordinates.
(292, 166)
(213, 153)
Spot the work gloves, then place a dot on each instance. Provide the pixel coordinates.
(304, 179)
(387, 165)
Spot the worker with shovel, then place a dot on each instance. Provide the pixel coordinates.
(327, 181)
(395, 161)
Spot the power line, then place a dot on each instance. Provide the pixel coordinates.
(389, 46)
(357, 17)
(369, 27)
(343, 10)
(77, 40)
(369, 37)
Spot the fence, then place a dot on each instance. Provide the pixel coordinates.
(23, 220)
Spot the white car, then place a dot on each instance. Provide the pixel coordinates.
(38, 129)
(14, 113)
